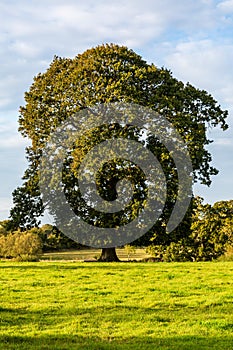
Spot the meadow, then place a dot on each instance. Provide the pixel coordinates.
(126, 306)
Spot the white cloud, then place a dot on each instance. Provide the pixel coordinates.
(9, 135)
(5, 204)
(226, 6)
(32, 34)
(12, 141)
(25, 49)
(224, 141)
(206, 64)
(78, 22)
(5, 207)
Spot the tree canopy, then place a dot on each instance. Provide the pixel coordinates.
(107, 74)
(212, 229)
(210, 235)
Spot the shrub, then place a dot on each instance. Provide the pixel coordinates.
(228, 256)
(21, 246)
(178, 251)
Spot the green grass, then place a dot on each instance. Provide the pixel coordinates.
(74, 305)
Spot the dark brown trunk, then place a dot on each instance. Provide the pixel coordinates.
(108, 255)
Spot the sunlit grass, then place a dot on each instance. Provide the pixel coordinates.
(65, 305)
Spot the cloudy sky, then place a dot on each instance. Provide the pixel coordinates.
(192, 38)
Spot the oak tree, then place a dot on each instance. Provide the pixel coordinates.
(108, 74)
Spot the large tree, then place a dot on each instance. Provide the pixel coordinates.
(105, 74)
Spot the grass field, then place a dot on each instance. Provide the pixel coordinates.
(75, 305)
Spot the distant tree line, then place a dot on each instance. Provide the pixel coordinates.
(30, 244)
(210, 236)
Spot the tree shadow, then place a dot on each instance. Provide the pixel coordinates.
(45, 338)
(67, 265)
(78, 342)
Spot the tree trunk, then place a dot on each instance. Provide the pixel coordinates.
(108, 255)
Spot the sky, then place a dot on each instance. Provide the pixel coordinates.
(194, 39)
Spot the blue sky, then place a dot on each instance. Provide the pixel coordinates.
(194, 39)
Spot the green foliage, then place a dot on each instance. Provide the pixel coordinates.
(175, 251)
(53, 239)
(4, 227)
(21, 246)
(28, 206)
(50, 237)
(112, 73)
(212, 229)
(211, 235)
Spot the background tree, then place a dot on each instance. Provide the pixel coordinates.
(212, 229)
(53, 239)
(209, 237)
(4, 227)
(112, 73)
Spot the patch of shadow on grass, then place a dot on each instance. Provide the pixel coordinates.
(75, 342)
(40, 266)
(55, 315)
(119, 266)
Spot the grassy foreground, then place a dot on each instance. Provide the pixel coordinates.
(73, 305)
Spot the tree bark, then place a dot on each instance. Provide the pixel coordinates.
(108, 255)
